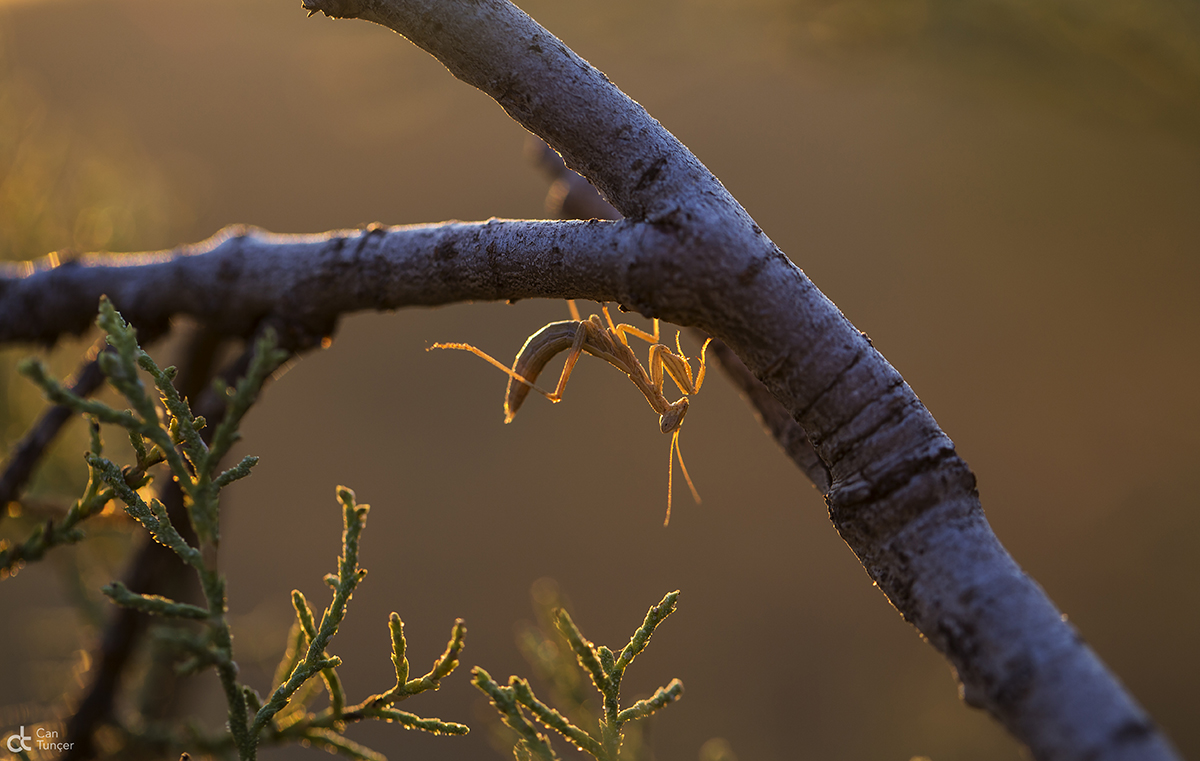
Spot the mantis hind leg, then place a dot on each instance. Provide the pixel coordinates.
(537, 351)
(496, 363)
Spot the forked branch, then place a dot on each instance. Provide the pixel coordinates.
(686, 252)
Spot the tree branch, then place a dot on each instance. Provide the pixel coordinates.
(687, 252)
(241, 276)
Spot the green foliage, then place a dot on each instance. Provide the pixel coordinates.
(606, 670)
(163, 430)
(95, 498)
(285, 714)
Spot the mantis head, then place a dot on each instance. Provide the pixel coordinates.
(670, 420)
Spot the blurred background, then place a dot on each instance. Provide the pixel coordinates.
(1004, 194)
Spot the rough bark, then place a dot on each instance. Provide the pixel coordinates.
(686, 252)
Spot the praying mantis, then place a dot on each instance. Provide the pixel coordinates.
(610, 343)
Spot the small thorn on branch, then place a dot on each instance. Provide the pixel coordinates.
(333, 8)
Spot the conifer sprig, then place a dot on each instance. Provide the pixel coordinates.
(606, 671)
(162, 429)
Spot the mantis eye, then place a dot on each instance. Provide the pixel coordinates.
(673, 417)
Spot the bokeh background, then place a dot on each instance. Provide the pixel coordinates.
(1004, 194)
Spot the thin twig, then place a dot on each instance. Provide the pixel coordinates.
(28, 452)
